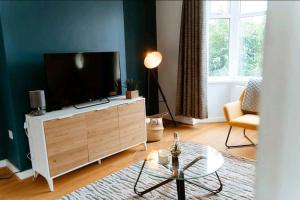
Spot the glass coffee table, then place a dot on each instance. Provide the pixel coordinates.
(195, 161)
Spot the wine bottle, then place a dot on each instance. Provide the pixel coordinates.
(175, 149)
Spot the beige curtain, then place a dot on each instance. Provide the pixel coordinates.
(191, 98)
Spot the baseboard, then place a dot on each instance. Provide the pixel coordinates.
(193, 121)
(25, 174)
(2, 163)
(209, 120)
(184, 120)
(21, 175)
(11, 167)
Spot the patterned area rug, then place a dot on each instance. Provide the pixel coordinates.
(237, 175)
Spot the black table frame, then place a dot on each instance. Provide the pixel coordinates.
(180, 181)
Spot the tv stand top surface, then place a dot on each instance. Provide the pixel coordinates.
(92, 103)
(70, 111)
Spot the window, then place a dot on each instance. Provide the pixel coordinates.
(236, 37)
(218, 47)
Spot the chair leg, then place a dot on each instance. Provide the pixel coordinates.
(239, 146)
(228, 137)
(248, 138)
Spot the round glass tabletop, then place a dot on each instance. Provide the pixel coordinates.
(195, 161)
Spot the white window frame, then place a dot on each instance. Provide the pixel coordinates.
(234, 17)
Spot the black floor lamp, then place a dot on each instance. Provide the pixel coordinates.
(151, 61)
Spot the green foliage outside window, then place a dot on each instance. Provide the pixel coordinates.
(251, 46)
(251, 52)
(218, 47)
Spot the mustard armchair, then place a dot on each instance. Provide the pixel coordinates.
(235, 117)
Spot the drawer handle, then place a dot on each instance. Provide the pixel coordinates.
(65, 116)
(129, 103)
(99, 109)
(106, 108)
(133, 102)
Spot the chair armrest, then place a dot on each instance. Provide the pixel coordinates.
(232, 110)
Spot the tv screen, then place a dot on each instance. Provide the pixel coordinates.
(75, 78)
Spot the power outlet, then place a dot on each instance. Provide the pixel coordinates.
(10, 134)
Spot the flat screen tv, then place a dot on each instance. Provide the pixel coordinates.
(75, 78)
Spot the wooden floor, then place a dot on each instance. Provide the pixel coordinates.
(213, 134)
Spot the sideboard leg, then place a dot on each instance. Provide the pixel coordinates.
(35, 175)
(50, 184)
(145, 146)
(99, 162)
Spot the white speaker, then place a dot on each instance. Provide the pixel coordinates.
(37, 102)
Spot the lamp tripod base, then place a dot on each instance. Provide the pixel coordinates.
(164, 98)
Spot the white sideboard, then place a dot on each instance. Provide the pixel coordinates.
(65, 140)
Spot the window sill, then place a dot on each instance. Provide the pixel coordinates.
(228, 79)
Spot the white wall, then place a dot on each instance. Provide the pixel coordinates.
(168, 19)
(278, 168)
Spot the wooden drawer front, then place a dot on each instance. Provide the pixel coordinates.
(132, 123)
(103, 132)
(66, 141)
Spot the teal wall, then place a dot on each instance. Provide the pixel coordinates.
(3, 91)
(31, 28)
(140, 38)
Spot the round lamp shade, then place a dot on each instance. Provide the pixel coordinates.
(153, 59)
